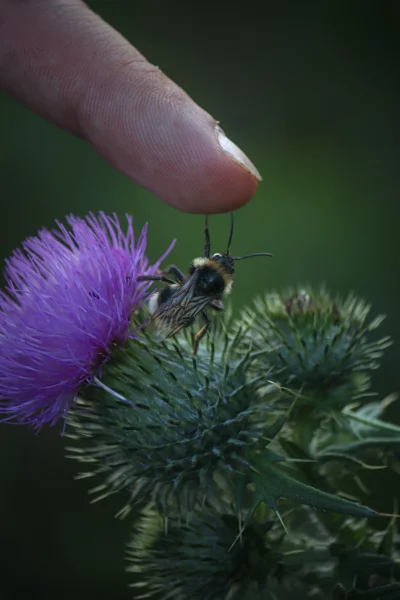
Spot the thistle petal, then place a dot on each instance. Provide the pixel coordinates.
(68, 300)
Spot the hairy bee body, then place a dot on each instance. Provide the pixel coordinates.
(176, 305)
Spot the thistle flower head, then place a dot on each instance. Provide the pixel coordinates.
(313, 344)
(68, 300)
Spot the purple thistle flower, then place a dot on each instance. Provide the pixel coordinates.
(68, 301)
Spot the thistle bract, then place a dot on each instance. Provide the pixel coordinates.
(68, 301)
(315, 345)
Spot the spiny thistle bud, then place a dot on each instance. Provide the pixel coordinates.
(316, 346)
(181, 420)
(202, 559)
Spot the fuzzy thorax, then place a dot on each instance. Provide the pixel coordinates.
(212, 263)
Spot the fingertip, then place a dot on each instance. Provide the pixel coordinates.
(225, 185)
(221, 180)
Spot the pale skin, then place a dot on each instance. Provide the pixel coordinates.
(70, 67)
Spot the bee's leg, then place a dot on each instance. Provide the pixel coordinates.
(217, 305)
(155, 278)
(201, 333)
(173, 270)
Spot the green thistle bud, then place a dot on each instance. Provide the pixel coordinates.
(316, 346)
(202, 559)
(180, 420)
(206, 558)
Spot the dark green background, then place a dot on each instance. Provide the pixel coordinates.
(311, 93)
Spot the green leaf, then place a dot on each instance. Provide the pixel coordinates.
(372, 423)
(272, 484)
(366, 444)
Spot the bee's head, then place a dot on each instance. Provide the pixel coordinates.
(226, 262)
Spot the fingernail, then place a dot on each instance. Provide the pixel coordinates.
(236, 153)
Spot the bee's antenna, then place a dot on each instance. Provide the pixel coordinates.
(207, 236)
(230, 235)
(252, 255)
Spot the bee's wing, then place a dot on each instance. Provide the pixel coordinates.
(180, 309)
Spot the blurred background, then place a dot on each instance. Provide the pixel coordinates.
(311, 93)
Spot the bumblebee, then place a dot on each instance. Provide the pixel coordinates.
(177, 304)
